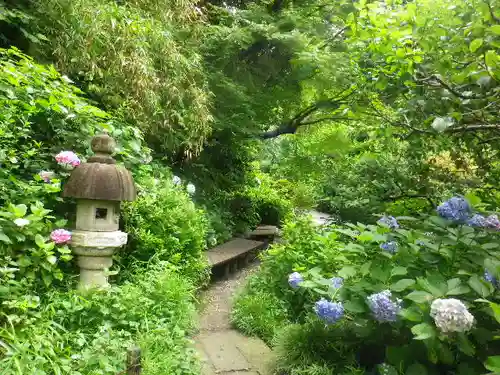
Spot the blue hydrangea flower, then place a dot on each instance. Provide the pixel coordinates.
(455, 209)
(328, 311)
(337, 282)
(294, 279)
(491, 279)
(390, 247)
(382, 307)
(477, 221)
(390, 221)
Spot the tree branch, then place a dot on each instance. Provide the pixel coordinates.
(301, 118)
(449, 88)
(492, 12)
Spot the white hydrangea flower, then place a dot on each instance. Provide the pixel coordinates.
(451, 315)
(176, 180)
(191, 189)
(21, 222)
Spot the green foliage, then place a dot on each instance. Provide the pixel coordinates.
(259, 315)
(45, 329)
(164, 224)
(434, 259)
(30, 261)
(71, 333)
(43, 113)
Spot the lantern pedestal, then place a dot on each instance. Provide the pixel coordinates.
(95, 255)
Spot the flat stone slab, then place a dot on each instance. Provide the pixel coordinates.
(232, 249)
(265, 230)
(229, 352)
(222, 352)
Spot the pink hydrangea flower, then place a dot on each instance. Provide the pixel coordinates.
(68, 158)
(60, 236)
(46, 175)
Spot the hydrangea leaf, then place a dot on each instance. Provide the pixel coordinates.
(416, 369)
(493, 364)
(402, 285)
(479, 287)
(399, 271)
(355, 306)
(423, 331)
(419, 296)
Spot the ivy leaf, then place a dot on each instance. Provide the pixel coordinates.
(423, 331)
(402, 285)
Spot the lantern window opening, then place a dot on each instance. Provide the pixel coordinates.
(101, 213)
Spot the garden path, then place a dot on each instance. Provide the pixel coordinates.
(222, 349)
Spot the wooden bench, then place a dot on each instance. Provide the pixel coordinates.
(265, 233)
(229, 254)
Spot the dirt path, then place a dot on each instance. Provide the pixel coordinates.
(224, 350)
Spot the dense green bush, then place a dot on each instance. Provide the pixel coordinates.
(164, 224)
(263, 200)
(71, 333)
(418, 261)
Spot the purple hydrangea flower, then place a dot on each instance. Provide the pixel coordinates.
(383, 308)
(390, 247)
(337, 282)
(294, 279)
(455, 209)
(390, 221)
(329, 311)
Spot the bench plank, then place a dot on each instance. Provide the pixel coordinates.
(231, 250)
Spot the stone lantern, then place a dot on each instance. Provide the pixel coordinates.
(98, 187)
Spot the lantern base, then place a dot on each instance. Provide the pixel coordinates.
(93, 271)
(95, 256)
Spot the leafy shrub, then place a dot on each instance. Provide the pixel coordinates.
(70, 333)
(164, 224)
(427, 260)
(263, 200)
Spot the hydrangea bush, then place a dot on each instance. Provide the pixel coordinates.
(423, 291)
